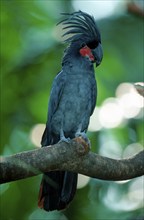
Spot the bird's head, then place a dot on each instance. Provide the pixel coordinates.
(82, 33)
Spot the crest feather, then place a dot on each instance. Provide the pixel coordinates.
(80, 25)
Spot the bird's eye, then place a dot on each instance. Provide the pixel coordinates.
(93, 44)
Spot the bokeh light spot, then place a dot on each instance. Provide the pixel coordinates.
(111, 114)
(82, 181)
(95, 124)
(36, 134)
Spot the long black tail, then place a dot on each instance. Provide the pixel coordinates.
(57, 187)
(57, 190)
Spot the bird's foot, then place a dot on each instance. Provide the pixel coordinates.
(64, 139)
(84, 136)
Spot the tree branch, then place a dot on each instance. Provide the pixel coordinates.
(139, 86)
(135, 9)
(74, 157)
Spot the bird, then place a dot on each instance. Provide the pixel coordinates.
(72, 102)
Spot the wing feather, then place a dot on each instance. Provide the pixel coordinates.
(55, 97)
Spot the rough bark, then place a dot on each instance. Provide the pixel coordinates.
(74, 156)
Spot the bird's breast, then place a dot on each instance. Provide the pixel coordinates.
(74, 105)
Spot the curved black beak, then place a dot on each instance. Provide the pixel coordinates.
(98, 54)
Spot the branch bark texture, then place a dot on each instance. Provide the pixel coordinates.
(74, 156)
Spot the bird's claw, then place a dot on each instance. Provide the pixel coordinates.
(64, 139)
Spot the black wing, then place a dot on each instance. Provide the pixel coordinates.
(55, 96)
(93, 96)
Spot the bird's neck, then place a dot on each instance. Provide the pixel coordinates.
(74, 62)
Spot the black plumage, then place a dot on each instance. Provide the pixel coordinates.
(72, 101)
(82, 25)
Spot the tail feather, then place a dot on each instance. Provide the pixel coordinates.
(57, 187)
(68, 189)
(49, 190)
(57, 190)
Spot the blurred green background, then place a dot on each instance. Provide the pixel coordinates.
(31, 54)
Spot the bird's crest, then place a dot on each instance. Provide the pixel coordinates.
(80, 25)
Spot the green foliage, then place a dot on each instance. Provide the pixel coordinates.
(30, 59)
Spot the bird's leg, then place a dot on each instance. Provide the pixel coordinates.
(63, 138)
(82, 134)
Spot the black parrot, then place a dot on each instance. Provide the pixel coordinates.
(72, 101)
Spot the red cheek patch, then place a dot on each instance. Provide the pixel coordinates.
(86, 52)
